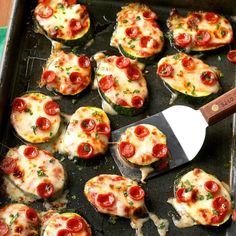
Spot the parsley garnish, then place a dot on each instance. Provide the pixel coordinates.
(41, 173)
(125, 194)
(200, 197)
(136, 91)
(131, 203)
(34, 127)
(162, 225)
(209, 196)
(13, 218)
(125, 21)
(29, 111)
(177, 57)
(138, 18)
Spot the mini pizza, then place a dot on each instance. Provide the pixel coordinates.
(200, 198)
(67, 74)
(35, 117)
(142, 145)
(34, 172)
(199, 31)
(137, 35)
(64, 21)
(121, 83)
(18, 219)
(86, 135)
(189, 75)
(65, 224)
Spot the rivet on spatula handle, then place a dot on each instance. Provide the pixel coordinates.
(220, 107)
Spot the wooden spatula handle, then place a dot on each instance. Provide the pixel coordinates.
(220, 107)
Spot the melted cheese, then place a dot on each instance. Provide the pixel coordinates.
(25, 122)
(123, 88)
(191, 212)
(188, 81)
(74, 135)
(63, 65)
(132, 15)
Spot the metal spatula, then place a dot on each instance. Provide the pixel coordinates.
(185, 129)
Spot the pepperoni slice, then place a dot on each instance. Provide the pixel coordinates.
(183, 40)
(209, 78)
(76, 78)
(221, 204)
(75, 26)
(43, 124)
(85, 150)
(103, 128)
(218, 218)
(126, 149)
(64, 232)
(212, 18)
(136, 193)
(165, 70)
(202, 37)
(87, 125)
(232, 56)
(148, 42)
(160, 151)
(51, 108)
(4, 229)
(32, 215)
(180, 195)
(106, 200)
(122, 102)
(188, 63)
(84, 61)
(106, 83)
(133, 73)
(211, 186)
(31, 152)
(19, 105)
(122, 62)
(194, 20)
(45, 190)
(137, 101)
(44, 11)
(8, 165)
(141, 131)
(75, 224)
(49, 76)
(149, 15)
(132, 32)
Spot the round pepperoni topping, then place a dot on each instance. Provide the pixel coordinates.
(183, 40)
(75, 26)
(136, 193)
(31, 152)
(212, 18)
(232, 56)
(180, 195)
(126, 149)
(148, 42)
(51, 108)
(211, 186)
(137, 101)
(217, 219)
(221, 204)
(76, 78)
(133, 73)
(64, 232)
(106, 200)
(75, 224)
(202, 37)
(103, 128)
(188, 63)
(141, 131)
(87, 125)
(45, 190)
(4, 229)
(43, 124)
(106, 83)
(165, 70)
(44, 11)
(84, 62)
(8, 165)
(32, 215)
(209, 78)
(19, 105)
(49, 76)
(149, 15)
(122, 102)
(85, 150)
(160, 151)
(122, 62)
(194, 20)
(132, 32)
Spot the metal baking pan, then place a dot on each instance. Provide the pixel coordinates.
(21, 67)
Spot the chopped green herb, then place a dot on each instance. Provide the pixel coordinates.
(188, 84)
(200, 197)
(51, 161)
(125, 21)
(125, 194)
(223, 33)
(118, 187)
(51, 133)
(162, 225)
(68, 68)
(193, 90)
(29, 111)
(34, 127)
(13, 218)
(136, 91)
(131, 203)
(138, 18)
(56, 27)
(177, 56)
(218, 25)
(96, 136)
(209, 196)
(41, 173)
(132, 46)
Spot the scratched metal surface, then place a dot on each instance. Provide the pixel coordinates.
(22, 65)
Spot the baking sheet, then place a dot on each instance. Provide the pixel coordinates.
(22, 64)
